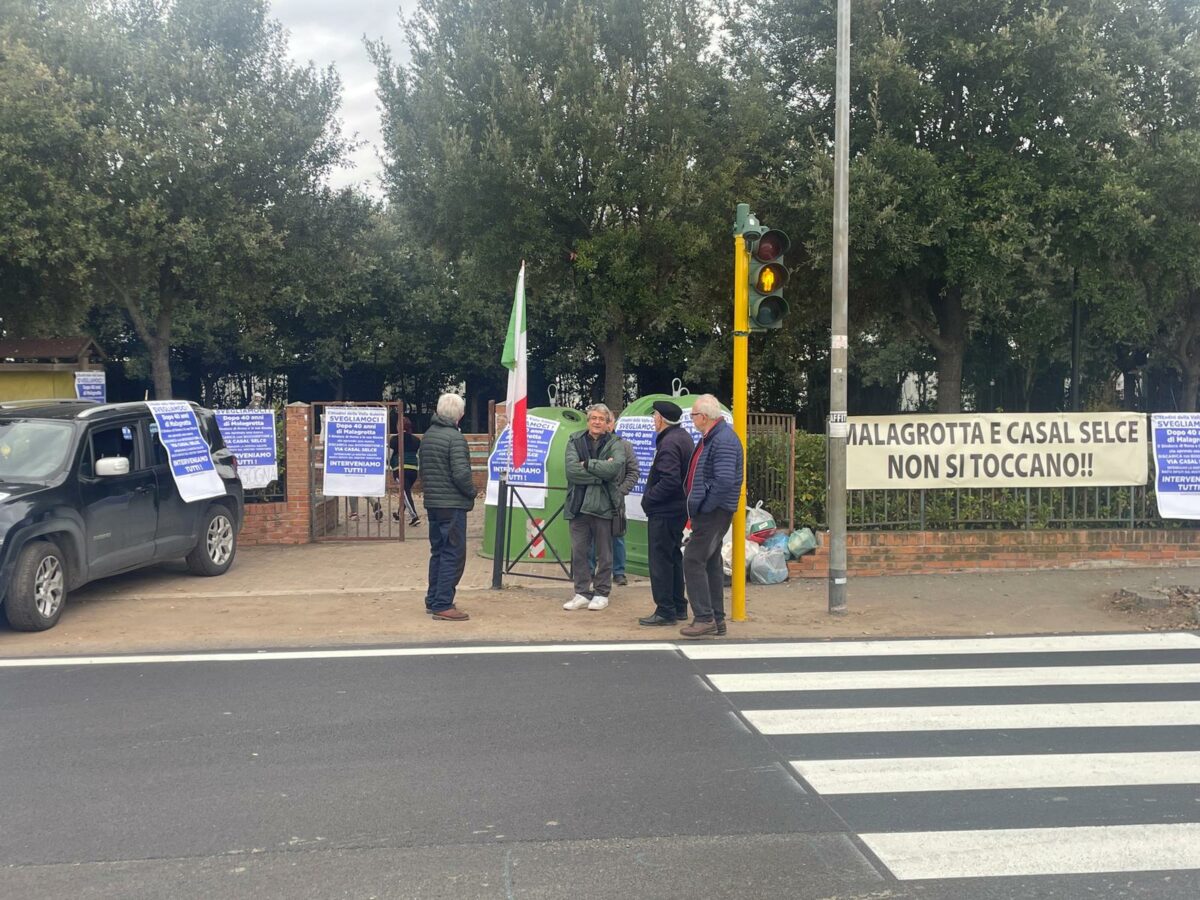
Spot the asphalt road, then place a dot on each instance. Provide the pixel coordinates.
(955, 770)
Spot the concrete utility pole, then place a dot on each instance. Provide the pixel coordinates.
(835, 500)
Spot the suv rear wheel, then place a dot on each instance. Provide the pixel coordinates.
(38, 591)
(213, 554)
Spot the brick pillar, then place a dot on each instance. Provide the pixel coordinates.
(298, 427)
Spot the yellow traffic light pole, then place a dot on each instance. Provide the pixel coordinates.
(741, 365)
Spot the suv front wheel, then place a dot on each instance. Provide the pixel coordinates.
(38, 590)
(214, 552)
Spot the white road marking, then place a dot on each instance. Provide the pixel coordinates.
(362, 653)
(1038, 851)
(951, 678)
(966, 718)
(979, 773)
(1056, 644)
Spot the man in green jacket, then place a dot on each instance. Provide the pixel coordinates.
(445, 468)
(595, 466)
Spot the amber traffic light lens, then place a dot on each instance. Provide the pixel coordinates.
(770, 278)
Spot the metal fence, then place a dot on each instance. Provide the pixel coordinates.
(1006, 508)
(770, 464)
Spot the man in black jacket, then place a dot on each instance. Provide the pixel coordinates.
(665, 507)
(445, 470)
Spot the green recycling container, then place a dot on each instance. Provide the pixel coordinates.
(550, 428)
(636, 425)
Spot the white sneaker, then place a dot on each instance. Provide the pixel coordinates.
(598, 602)
(577, 602)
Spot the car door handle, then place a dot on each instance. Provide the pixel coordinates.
(143, 489)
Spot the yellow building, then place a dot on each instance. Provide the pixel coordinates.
(44, 368)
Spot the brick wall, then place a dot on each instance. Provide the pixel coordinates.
(932, 552)
(288, 522)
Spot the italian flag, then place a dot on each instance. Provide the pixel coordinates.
(515, 356)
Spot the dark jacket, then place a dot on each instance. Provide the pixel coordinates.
(719, 471)
(632, 472)
(445, 466)
(594, 490)
(664, 485)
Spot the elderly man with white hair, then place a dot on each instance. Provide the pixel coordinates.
(713, 487)
(445, 470)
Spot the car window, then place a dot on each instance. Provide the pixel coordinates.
(33, 450)
(157, 450)
(106, 443)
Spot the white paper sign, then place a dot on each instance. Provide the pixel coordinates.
(90, 386)
(355, 451)
(250, 435)
(530, 478)
(188, 453)
(1177, 464)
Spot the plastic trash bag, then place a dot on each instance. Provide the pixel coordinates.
(752, 551)
(769, 567)
(801, 542)
(777, 540)
(758, 519)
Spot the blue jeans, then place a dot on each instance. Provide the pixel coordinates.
(618, 556)
(447, 556)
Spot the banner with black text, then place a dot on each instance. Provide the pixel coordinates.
(997, 450)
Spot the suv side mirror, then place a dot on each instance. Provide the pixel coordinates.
(112, 465)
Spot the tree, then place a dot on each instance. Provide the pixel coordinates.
(47, 214)
(983, 136)
(210, 129)
(584, 138)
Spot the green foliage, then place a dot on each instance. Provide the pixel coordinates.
(590, 140)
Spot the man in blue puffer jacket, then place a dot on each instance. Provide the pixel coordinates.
(713, 485)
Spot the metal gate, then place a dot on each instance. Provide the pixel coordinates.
(771, 464)
(358, 518)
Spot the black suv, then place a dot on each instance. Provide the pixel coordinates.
(86, 491)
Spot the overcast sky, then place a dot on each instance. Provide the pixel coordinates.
(325, 33)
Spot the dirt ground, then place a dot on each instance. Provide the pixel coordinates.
(334, 594)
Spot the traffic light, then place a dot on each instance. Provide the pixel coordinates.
(768, 276)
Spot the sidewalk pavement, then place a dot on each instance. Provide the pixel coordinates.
(373, 593)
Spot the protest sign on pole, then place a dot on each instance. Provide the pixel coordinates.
(188, 453)
(355, 451)
(1029, 450)
(1177, 464)
(250, 435)
(530, 477)
(91, 386)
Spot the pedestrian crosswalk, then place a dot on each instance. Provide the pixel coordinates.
(988, 757)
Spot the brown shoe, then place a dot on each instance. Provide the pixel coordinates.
(451, 615)
(698, 629)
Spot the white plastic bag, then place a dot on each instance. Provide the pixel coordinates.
(769, 567)
(758, 519)
(752, 550)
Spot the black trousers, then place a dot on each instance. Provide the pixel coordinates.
(664, 534)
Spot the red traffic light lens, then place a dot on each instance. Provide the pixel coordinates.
(771, 277)
(771, 246)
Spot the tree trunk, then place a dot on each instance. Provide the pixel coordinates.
(613, 351)
(160, 368)
(951, 349)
